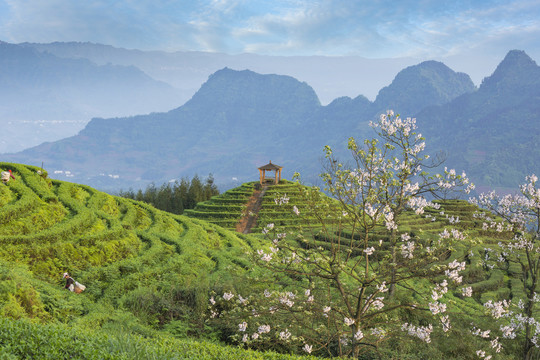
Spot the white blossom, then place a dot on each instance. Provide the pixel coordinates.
(508, 332)
(382, 287)
(369, 250)
(482, 334)
(495, 344)
(284, 335)
(282, 200)
(407, 250)
(437, 307)
(497, 308)
(445, 321)
(467, 292)
(242, 326)
(378, 303)
(378, 332)
(421, 332)
(264, 329)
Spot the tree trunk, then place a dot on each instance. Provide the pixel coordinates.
(392, 288)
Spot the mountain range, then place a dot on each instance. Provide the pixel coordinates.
(330, 76)
(53, 90)
(239, 120)
(493, 132)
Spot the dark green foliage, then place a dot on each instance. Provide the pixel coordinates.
(177, 197)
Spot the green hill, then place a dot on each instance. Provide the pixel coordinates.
(234, 207)
(148, 274)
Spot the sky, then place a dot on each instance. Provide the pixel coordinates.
(472, 32)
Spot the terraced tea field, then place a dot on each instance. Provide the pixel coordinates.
(150, 273)
(80, 228)
(144, 269)
(227, 210)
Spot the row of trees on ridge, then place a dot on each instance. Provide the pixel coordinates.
(177, 196)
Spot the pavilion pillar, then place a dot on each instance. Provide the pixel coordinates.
(270, 167)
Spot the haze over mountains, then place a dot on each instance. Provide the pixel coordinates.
(239, 120)
(45, 97)
(54, 90)
(330, 76)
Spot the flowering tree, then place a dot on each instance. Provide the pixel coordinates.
(387, 180)
(353, 259)
(519, 214)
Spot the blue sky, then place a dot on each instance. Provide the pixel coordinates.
(423, 29)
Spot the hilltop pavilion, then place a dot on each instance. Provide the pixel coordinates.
(270, 167)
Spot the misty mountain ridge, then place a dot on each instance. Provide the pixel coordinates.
(493, 132)
(45, 96)
(48, 105)
(330, 76)
(430, 78)
(517, 69)
(240, 120)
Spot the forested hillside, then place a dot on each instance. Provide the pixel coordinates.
(175, 197)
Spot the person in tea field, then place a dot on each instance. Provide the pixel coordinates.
(6, 175)
(73, 285)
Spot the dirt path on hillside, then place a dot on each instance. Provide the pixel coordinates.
(252, 210)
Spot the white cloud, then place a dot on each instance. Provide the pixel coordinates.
(385, 28)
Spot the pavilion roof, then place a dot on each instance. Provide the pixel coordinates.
(270, 166)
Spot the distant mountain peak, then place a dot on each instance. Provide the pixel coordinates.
(430, 80)
(230, 88)
(430, 64)
(516, 68)
(517, 57)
